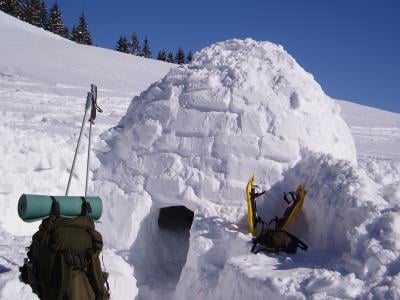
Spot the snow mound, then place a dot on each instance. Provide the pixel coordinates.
(194, 138)
(352, 233)
(340, 197)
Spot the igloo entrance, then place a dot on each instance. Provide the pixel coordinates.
(175, 218)
(160, 251)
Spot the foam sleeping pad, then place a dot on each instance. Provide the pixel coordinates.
(38, 207)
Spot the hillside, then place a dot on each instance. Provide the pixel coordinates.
(375, 131)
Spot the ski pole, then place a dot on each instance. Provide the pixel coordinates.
(94, 109)
(87, 106)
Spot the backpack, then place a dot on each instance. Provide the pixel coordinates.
(277, 240)
(63, 260)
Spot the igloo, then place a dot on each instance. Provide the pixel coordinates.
(194, 138)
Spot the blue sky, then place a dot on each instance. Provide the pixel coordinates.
(352, 47)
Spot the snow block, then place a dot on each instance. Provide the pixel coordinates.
(190, 122)
(208, 100)
(165, 189)
(278, 149)
(162, 164)
(254, 122)
(244, 146)
(145, 134)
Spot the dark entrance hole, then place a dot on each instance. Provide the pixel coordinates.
(175, 218)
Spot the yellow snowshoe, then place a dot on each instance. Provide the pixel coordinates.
(252, 218)
(293, 210)
(277, 239)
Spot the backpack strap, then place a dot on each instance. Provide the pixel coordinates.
(256, 240)
(299, 242)
(96, 276)
(86, 208)
(105, 274)
(55, 207)
(97, 279)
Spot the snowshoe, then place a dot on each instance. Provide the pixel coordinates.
(277, 239)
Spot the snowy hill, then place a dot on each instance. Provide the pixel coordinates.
(31, 53)
(376, 132)
(193, 138)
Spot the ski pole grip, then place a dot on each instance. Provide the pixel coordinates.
(88, 100)
(93, 89)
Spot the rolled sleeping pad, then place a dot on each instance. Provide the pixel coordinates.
(38, 207)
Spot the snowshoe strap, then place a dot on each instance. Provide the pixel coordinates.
(266, 246)
(256, 240)
(299, 242)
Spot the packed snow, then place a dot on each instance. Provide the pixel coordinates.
(193, 138)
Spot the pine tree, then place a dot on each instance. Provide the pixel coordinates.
(32, 12)
(13, 8)
(44, 18)
(189, 57)
(122, 45)
(73, 33)
(134, 47)
(146, 52)
(180, 56)
(55, 23)
(162, 55)
(170, 57)
(65, 33)
(80, 33)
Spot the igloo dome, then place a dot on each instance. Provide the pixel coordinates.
(240, 108)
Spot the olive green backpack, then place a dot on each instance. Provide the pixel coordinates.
(63, 260)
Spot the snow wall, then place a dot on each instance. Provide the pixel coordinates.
(195, 137)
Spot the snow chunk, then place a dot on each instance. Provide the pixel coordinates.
(205, 91)
(145, 134)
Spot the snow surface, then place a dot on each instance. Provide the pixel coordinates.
(193, 138)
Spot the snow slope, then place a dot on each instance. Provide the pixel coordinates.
(50, 60)
(43, 84)
(351, 216)
(376, 132)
